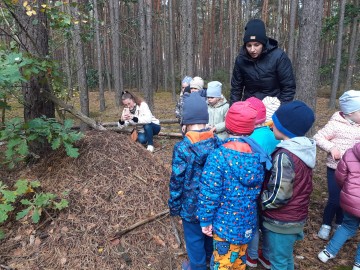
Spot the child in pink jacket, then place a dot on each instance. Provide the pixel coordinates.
(339, 134)
(348, 177)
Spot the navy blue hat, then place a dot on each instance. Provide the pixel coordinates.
(255, 31)
(195, 110)
(294, 119)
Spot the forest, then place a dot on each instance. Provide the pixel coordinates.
(63, 67)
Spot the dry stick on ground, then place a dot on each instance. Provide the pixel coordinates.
(5, 267)
(137, 224)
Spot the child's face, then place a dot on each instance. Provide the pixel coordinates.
(213, 100)
(279, 135)
(355, 116)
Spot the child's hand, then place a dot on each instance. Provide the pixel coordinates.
(207, 230)
(335, 153)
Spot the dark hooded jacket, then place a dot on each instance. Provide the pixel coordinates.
(270, 74)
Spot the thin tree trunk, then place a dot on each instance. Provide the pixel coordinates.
(293, 8)
(335, 84)
(81, 68)
(354, 45)
(99, 60)
(171, 41)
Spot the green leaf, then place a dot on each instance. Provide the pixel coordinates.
(61, 205)
(56, 143)
(25, 202)
(4, 209)
(35, 184)
(36, 215)
(9, 196)
(71, 151)
(23, 213)
(21, 186)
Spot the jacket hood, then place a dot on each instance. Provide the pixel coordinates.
(302, 147)
(202, 143)
(356, 150)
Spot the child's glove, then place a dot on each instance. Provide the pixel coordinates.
(122, 124)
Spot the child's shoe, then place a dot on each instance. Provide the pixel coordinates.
(356, 266)
(150, 148)
(264, 261)
(251, 262)
(325, 255)
(324, 232)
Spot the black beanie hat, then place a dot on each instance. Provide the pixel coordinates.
(294, 119)
(255, 31)
(195, 110)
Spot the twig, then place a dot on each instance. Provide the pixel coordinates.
(176, 233)
(5, 267)
(140, 178)
(137, 224)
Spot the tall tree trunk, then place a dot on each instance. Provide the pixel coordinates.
(291, 44)
(308, 51)
(189, 38)
(115, 37)
(171, 41)
(278, 19)
(354, 45)
(99, 59)
(149, 91)
(81, 67)
(335, 81)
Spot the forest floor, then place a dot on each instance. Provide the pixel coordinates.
(116, 183)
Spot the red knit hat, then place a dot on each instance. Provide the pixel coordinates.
(260, 108)
(240, 118)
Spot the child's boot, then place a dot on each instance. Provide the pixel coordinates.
(325, 255)
(324, 232)
(356, 266)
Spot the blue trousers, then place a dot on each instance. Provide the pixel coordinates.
(253, 245)
(282, 247)
(347, 230)
(150, 130)
(332, 207)
(199, 247)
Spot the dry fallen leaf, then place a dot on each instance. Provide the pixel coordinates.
(159, 241)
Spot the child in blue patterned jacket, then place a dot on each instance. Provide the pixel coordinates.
(189, 156)
(230, 185)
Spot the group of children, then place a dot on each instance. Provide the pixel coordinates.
(256, 155)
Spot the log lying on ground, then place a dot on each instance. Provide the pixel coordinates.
(91, 122)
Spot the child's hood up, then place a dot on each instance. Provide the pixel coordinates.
(302, 147)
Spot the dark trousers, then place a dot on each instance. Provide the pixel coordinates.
(332, 207)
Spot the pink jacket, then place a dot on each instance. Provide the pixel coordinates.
(348, 177)
(338, 132)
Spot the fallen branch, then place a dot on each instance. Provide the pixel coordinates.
(91, 122)
(138, 224)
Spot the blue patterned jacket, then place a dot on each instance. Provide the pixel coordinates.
(229, 189)
(189, 156)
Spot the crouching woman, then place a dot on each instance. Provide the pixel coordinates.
(137, 112)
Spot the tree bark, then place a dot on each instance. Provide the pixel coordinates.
(308, 51)
(171, 44)
(293, 9)
(99, 59)
(81, 67)
(354, 45)
(335, 80)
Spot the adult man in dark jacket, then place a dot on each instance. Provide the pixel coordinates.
(261, 69)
